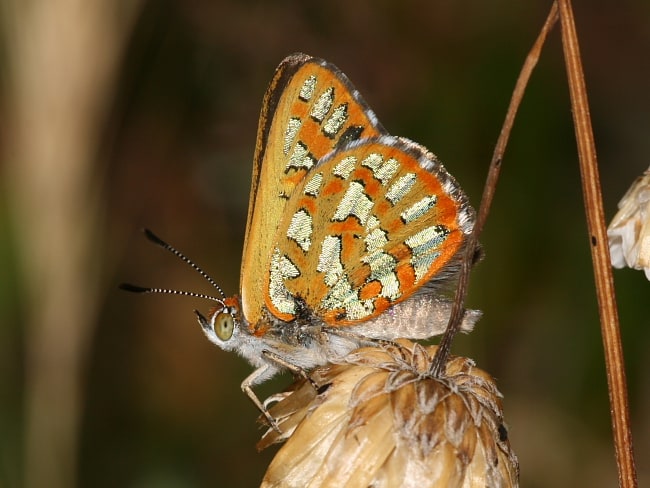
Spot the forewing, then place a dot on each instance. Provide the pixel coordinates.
(309, 109)
(367, 228)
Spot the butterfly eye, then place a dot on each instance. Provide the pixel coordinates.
(224, 326)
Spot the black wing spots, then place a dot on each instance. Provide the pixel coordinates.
(303, 314)
(350, 134)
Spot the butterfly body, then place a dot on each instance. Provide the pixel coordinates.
(307, 341)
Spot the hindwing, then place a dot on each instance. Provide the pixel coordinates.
(366, 228)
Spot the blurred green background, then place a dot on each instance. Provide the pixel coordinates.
(169, 144)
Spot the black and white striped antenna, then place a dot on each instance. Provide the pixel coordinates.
(141, 289)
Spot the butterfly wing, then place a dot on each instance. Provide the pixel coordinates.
(309, 109)
(367, 228)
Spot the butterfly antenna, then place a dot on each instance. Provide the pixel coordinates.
(158, 241)
(142, 289)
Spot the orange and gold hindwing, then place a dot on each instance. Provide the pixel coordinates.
(366, 228)
(309, 110)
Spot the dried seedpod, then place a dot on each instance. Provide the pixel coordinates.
(379, 419)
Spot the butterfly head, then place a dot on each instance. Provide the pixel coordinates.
(222, 326)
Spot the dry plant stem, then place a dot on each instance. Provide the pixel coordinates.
(599, 251)
(438, 365)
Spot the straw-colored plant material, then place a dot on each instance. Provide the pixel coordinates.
(379, 419)
(629, 232)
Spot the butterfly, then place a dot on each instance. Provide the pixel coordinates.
(352, 234)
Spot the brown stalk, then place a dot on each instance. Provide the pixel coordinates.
(610, 329)
(440, 359)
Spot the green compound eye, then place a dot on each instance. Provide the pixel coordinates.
(224, 325)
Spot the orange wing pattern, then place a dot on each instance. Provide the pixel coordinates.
(366, 228)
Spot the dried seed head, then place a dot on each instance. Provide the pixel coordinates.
(381, 420)
(629, 232)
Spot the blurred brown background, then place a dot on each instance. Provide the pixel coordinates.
(119, 115)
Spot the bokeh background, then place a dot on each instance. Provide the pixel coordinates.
(121, 114)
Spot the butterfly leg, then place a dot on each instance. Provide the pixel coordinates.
(246, 387)
(296, 370)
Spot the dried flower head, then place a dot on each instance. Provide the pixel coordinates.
(629, 232)
(379, 419)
